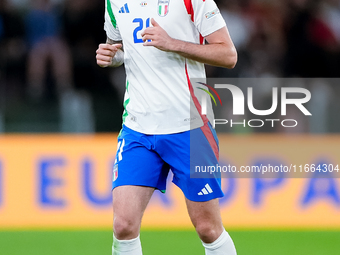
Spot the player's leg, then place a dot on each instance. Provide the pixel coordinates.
(129, 203)
(206, 219)
(61, 64)
(36, 70)
(183, 152)
(137, 172)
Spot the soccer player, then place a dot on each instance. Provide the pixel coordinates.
(163, 124)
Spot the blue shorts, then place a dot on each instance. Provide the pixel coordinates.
(145, 160)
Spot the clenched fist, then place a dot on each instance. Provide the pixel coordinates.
(106, 53)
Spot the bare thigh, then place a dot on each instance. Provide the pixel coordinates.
(129, 204)
(206, 218)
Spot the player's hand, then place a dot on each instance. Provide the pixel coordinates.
(106, 53)
(158, 36)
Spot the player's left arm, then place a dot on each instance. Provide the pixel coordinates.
(220, 50)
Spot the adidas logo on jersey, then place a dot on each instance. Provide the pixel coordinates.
(124, 9)
(206, 190)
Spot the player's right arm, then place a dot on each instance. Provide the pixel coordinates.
(110, 54)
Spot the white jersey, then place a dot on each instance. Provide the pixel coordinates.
(159, 97)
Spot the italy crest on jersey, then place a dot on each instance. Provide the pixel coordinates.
(163, 7)
(115, 172)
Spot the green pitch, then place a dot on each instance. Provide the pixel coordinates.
(168, 242)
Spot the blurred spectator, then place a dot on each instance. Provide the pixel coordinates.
(47, 46)
(240, 29)
(43, 26)
(12, 53)
(266, 47)
(312, 46)
(12, 49)
(239, 25)
(83, 30)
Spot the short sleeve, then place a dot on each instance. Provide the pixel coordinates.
(110, 25)
(207, 17)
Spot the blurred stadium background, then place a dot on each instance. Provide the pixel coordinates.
(60, 114)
